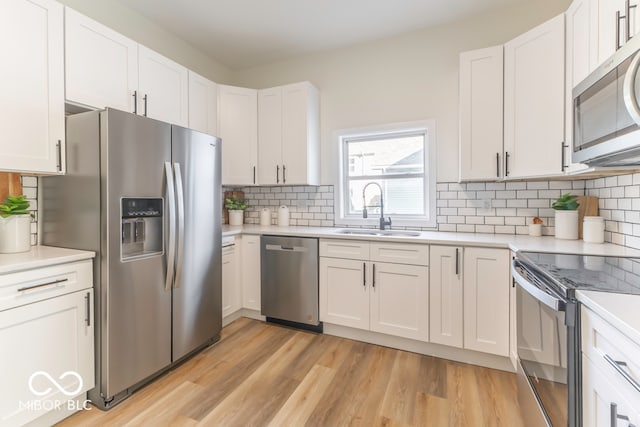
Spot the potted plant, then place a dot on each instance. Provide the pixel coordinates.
(566, 207)
(236, 209)
(15, 225)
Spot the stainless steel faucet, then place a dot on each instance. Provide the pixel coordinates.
(383, 222)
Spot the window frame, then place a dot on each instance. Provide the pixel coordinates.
(428, 128)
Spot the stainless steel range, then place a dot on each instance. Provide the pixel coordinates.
(549, 327)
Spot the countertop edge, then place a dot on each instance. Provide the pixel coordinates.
(607, 304)
(41, 256)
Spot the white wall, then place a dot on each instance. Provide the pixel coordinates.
(406, 78)
(137, 27)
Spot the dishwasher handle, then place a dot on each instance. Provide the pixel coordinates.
(283, 248)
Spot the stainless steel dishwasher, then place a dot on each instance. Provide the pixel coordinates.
(289, 270)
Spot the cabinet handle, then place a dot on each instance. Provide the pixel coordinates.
(41, 285)
(618, 19)
(364, 275)
(277, 174)
(615, 416)
(563, 167)
(254, 174)
(373, 279)
(506, 163)
(457, 261)
(498, 165)
(284, 174)
(88, 299)
(144, 98)
(135, 102)
(59, 155)
(628, 6)
(617, 365)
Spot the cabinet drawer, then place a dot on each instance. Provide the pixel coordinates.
(613, 352)
(351, 249)
(26, 287)
(400, 253)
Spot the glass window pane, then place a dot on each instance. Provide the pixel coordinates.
(393, 155)
(401, 196)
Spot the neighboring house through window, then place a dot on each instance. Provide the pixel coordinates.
(400, 158)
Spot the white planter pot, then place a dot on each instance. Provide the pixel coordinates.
(236, 217)
(567, 225)
(15, 234)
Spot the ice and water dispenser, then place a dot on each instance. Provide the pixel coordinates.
(141, 227)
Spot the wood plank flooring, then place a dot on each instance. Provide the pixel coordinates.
(261, 374)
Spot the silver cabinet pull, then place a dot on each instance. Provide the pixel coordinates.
(498, 165)
(284, 174)
(59, 155)
(135, 102)
(373, 279)
(618, 366)
(42, 285)
(458, 262)
(144, 98)
(618, 18)
(615, 416)
(254, 174)
(506, 163)
(563, 167)
(364, 275)
(88, 300)
(277, 174)
(628, 6)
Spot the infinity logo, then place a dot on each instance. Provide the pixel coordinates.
(55, 383)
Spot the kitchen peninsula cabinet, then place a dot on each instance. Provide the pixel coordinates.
(32, 86)
(288, 135)
(238, 128)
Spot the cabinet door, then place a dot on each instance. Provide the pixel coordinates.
(481, 113)
(605, 26)
(238, 128)
(164, 88)
(32, 86)
(300, 134)
(400, 300)
(344, 292)
(578, 64)
(251, 272)
(270, 136)
(534, 101)
(445, 295)
(203, 104)
(486, 300)
(101, 64)
(48, 338)
(598, 398)
(230, 284)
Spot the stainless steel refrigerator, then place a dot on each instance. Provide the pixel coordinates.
(145, 196)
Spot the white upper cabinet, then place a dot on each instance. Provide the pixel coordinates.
(534, 101)
(163, 88)
(609, 27)
(481, 114)
(203, 104)
(288, 135)
(32, 86)
(101, 64)
(238, 128)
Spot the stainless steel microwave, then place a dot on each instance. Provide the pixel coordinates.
(606, 115)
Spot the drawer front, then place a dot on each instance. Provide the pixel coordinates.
(613, 352)
(29, 286)
(350, 249)
(400, 253)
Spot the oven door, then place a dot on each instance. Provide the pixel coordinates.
(547, 388)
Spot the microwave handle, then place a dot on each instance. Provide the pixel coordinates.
(628, 92)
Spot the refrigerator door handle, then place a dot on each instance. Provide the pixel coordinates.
(172, 226)
(180, 204)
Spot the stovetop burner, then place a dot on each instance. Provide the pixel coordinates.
(597, 273)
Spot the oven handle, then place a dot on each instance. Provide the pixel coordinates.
(628, 90)
(541, 295)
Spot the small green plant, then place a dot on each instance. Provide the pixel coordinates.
(235, 204)
(566, 202)
(15, 205)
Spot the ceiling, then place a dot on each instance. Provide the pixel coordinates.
(246, 33)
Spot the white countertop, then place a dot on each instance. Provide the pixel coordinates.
(40, 256)
(621, 310)
(513, 242)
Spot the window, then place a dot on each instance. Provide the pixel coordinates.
(400, 159)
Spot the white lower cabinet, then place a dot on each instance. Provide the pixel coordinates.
(231, 291)
(251, 274)
(390, 298)
(469, 298)
(46, 357)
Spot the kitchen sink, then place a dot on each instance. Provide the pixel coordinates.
(369, 232)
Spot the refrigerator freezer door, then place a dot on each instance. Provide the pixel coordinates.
(197, 295)
(136, 337)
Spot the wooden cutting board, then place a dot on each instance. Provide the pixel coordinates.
(588, 207)
(9, 185)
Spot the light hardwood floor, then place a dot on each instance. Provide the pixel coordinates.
(261, 374)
